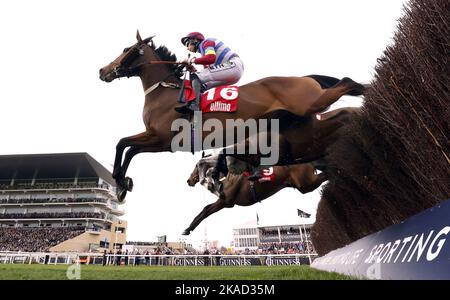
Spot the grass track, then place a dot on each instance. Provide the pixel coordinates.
(89, 272)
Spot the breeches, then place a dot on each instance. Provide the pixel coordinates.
(224, 74)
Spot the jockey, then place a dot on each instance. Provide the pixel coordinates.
(222, 66)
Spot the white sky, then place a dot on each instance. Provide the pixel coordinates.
(53, 101)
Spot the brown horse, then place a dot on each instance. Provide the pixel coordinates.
(301, 96)
(237, 190)
(317, 134)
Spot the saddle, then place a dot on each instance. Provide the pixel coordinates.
(267, 175)
(216, 99)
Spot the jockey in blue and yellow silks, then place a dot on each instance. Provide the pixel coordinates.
(222, 66)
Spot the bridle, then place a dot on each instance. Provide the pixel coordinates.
(196, 178)
(119, 70)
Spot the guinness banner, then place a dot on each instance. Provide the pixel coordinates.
(414, 249)
(225, 260)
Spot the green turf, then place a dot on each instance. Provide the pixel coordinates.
(8, 271)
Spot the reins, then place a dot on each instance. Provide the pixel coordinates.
(156, 62)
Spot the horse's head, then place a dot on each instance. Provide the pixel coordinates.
(129, 62)
(200, 173)
(194, 178)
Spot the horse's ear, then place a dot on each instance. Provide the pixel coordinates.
(149, 39)
(203, 154)
(138, 37)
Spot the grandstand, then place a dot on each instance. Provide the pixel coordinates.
(295, 238)
(169, 248)
(58, 202)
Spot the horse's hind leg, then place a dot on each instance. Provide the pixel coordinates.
(207, 211)
(314, 183)
(346, 86)
(308, 180)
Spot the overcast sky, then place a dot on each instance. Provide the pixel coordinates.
(52, 100)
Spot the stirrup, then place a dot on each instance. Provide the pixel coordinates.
(255, 176)
(193, 106)
(184, 110)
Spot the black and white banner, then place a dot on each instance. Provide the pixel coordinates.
(414, 249)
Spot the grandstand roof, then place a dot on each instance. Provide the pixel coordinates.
(52, 166)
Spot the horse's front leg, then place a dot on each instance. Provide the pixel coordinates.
(207, 211)
(142, 142)
(120, 148)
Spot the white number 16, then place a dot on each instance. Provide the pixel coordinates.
(228, 93)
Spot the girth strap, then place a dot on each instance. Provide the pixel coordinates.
(163, 84)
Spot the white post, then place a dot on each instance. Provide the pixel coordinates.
(307, 246)
(301, 234)
(279, 235)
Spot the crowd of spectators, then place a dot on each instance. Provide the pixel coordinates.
(142, 243)
(52, 185)
(288, 235)
(286, 248)
(78, 215)
(35, 239)
(141, 256)
(52, 200)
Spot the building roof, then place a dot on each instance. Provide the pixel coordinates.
(52, 166)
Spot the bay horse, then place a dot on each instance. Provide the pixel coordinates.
(311, 146)
(237, 190)
(301, 96)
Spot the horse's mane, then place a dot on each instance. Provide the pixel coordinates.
(166, 54)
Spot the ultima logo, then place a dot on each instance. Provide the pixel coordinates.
(220, 106)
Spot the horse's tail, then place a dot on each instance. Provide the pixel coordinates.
(328, 82)
(325, 81)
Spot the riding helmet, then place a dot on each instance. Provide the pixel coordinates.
(192, 35)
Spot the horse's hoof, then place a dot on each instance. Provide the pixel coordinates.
(186, 232)
(357, 89)
(121, 194)
(129, 183)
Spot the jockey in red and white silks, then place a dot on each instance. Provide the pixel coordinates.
(222, 65)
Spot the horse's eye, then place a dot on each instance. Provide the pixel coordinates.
(141, 51)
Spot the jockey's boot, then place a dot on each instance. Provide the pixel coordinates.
(255, 176)
(193, 105)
